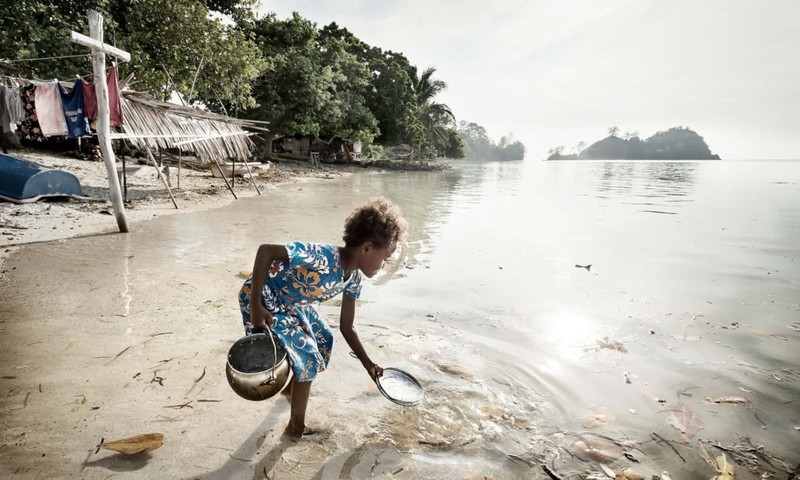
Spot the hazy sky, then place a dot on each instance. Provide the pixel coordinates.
(560, 71)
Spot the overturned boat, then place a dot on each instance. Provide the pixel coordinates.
(22, 181)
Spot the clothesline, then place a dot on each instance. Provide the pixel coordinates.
(48, 109)
(48, 58)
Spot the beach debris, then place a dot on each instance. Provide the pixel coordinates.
(627, 474)
(611, 345)
(627, 377)
(592, 448)
(181, 405)
(663, 441)
(721, 466)
(453, 371)
(119, 354)
(244, 273)
(550, 473)
(134, 445)
(492, 411)
(630, 457)
(597, 417)
(755, 458)
(685, 392)
(588, 268)
(733, 400)
(201, 376)
(157, 379)
(665, 476)
(685, 420)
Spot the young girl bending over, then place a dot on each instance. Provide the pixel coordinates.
(288, 279)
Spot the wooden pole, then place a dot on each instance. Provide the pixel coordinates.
(99, 49)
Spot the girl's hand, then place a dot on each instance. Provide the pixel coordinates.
(260, 316)
(375, 371)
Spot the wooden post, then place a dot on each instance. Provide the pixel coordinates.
(99, 50)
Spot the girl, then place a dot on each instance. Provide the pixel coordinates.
(287, 279)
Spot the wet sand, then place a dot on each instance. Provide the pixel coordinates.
(108, 335)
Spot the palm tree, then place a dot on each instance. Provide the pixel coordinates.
(433, 116)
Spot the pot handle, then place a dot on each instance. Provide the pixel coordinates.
(271, 377)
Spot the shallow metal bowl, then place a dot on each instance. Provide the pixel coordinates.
(257, 367)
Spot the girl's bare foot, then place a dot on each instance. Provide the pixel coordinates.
(295, 432)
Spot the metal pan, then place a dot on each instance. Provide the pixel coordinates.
(400, 387)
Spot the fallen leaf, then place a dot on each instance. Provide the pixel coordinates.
(610, 473)
(627, 474)
(597, 417)
(706, 457)
(685, 420)
(137, 444)
(244, 273)
(492, 411)
(590, 448)
(724, 468)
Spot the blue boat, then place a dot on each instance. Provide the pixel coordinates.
(22, 181)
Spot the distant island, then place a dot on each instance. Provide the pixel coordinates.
(678, 143)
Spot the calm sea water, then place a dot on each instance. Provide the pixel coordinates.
(693, 294)
(526, 354)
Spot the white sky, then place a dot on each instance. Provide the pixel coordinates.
(560, 71)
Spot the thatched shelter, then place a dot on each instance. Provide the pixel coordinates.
(211, 137)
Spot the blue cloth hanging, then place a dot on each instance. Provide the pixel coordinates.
(77, 124)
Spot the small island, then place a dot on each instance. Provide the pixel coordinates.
(678, 143)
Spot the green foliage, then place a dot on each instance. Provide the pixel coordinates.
(35, 29)
(388, 94)
(174, 35)
(478, 145)
(322, 82)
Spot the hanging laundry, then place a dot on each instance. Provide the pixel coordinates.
(89, 99)
(114, 102)
(29, 126)
(77, 124)
(14, 105)
(5, 117)
(50, 111)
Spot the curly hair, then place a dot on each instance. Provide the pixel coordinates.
(378, 221)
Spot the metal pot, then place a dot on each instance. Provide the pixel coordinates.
(257, 367)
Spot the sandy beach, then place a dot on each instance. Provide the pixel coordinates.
(130, 332)
(147, 198)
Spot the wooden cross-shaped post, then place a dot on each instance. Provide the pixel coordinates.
(99, 51)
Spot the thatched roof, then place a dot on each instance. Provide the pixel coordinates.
(153, 123)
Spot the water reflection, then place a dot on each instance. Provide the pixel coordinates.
(656, 187)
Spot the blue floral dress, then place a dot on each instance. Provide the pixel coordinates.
(314, 274)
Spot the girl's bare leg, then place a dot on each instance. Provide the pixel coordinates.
(299, 400)
(287, 391)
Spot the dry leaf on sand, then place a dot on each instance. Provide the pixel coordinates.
(137, 444)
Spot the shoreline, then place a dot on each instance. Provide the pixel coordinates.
(53, 220)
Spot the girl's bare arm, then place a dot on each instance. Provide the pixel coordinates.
(346, 320)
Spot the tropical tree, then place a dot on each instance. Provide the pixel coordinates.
(434, 117)
(168, 41)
